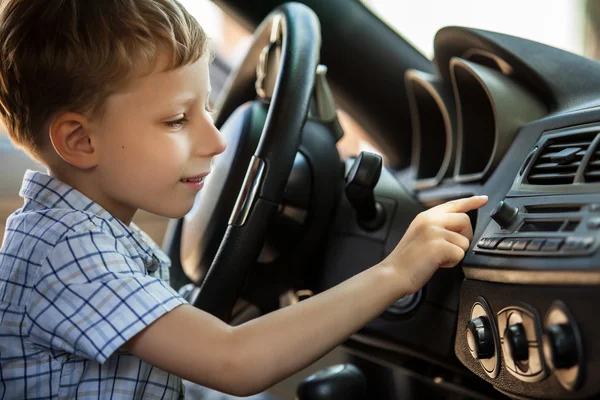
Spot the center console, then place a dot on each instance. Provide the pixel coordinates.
(528, 322)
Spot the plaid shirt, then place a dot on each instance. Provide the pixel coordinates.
(75, 285)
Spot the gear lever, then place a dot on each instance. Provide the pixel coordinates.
(344, 381)
(360, 190)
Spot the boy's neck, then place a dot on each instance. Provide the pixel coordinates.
(84, 182)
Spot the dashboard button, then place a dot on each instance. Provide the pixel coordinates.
(588, 242)
(520, 244)
(517, 342)
(572, 244)
(480, 338)
(594, 223)
(552, 244)
(492, 243)
(578, 243)
(594, 207)
(483, 242)
(506, 244)
(562, 346)
(535, 244)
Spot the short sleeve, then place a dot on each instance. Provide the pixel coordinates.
(90, 297)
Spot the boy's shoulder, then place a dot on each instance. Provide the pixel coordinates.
(54, 214)
(50, 225)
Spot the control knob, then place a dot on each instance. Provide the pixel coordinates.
(480, 338)
(561, 346)
(504, 214)
(517, 342)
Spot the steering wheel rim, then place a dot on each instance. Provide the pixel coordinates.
(298, 28)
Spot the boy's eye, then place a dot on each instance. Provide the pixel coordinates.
(177, 123)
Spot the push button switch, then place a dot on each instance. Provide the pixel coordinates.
(578, 243)
(594, 223)
(520, 244)
(552, 244)
(535, 244)
(506, 244)
(492, 243)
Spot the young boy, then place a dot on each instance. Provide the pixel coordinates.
(111, 97)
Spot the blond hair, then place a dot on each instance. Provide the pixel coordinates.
(70, 55)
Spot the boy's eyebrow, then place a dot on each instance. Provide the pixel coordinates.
(185, 99)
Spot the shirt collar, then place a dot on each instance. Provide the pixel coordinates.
(53, 193)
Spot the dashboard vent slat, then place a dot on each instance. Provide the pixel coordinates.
(553, 179)
(560, 159)
(569, 145)
(595, 175)
(592, 169)
(557, 166)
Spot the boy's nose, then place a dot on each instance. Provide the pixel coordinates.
(213, 142)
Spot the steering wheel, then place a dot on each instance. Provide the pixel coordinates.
(292, 33)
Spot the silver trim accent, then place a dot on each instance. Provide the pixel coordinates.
(245, 200)
(428, 82)
(325, 104)
(265, 82)
(529, 277)
(504, 67)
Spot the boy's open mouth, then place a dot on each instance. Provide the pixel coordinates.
(192, 180)
(195, 182)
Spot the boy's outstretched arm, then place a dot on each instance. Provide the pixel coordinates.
(250, 358)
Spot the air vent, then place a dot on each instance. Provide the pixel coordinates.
(560, 158)
(592, 169)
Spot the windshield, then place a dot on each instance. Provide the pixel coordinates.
(566, 24)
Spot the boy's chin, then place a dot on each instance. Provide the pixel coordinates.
(172, 212)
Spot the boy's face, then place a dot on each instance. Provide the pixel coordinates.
(155, 134)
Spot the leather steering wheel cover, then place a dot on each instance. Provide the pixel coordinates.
(301, 42)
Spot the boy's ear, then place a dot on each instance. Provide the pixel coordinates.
(71, 137)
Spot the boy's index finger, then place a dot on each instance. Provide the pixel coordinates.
(464, 205)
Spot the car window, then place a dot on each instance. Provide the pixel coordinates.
(566, 24)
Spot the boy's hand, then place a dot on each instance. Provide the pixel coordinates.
(437, 238)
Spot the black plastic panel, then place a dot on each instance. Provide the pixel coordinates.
(499, 184)
(553, 74)
(500, 296)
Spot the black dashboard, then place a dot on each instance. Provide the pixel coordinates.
(496, 115)
(527, 136)
(519, 122)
